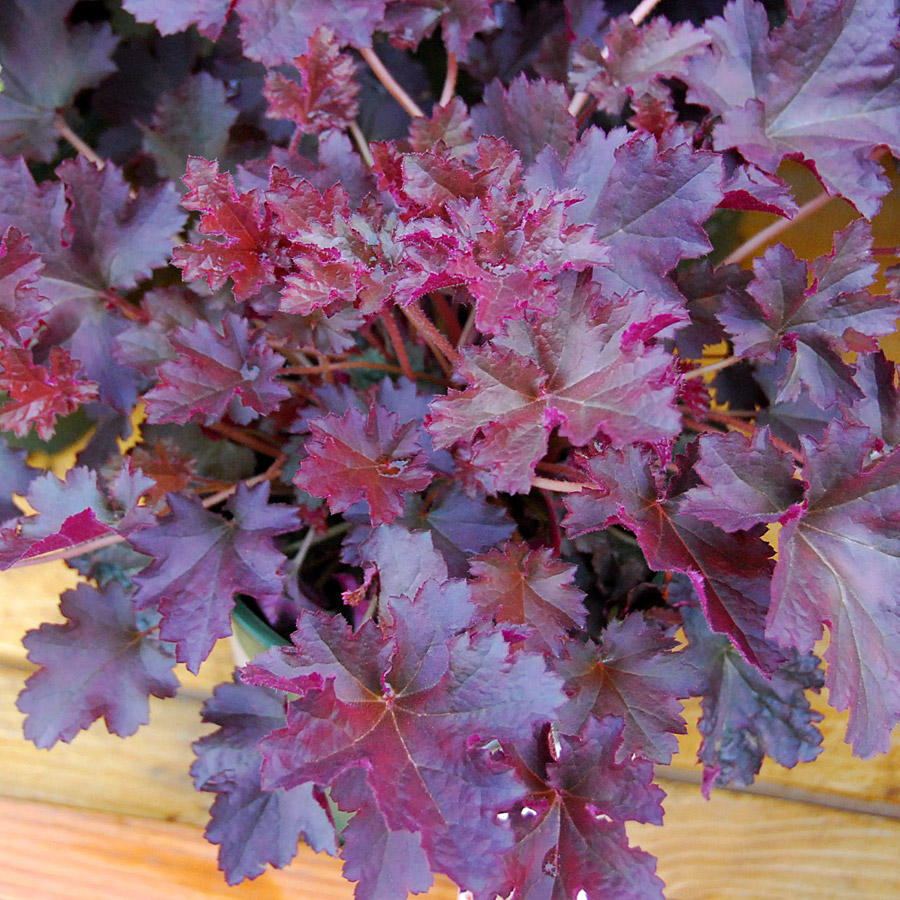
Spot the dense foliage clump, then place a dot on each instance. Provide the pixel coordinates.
(409, 318)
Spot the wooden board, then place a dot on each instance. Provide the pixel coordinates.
(52, 853)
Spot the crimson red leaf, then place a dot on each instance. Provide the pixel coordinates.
(245, 252)
(21, 304)
(217, 372)
(356, 457)
(201, 561)
(585, 373)
(837, 566)
(528, 587)
(100, 663)
(325, 97)
(37, 394)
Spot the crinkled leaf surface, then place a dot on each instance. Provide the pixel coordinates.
(38, 394)
(531, 588)
(217, 371)
(731, 572)
(414, 702)
(100, 663)
(633, 59)
(364, 457)
(252, 827)
(746, 715)
(584, 373)
(838, 566)
(635, 675)
(21, 304)
(647, 203)
(244, 253)
(570, 831)
(326, 95)
(823, 86)
(202, 560)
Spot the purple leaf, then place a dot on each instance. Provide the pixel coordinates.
(634, 59)
(837, 566)
(386, 864)
(15, 477)
(746, 482)
(824, 86)
(201, 561)
(531, 115)
(746, 715)
(731, 572)
(100, 663)
(45, 64)
(252, 827)
(582, 371)
(570, 831)
(646, 202)
(172, 16)
(530, 588)
(275, 31)
(217, 372)
(192, 120)
(635, 676)
(408, 22)
(414, 702)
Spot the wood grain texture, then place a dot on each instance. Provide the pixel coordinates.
(741, 847)
(53, 853)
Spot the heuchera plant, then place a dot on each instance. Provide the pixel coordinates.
(434, 365)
